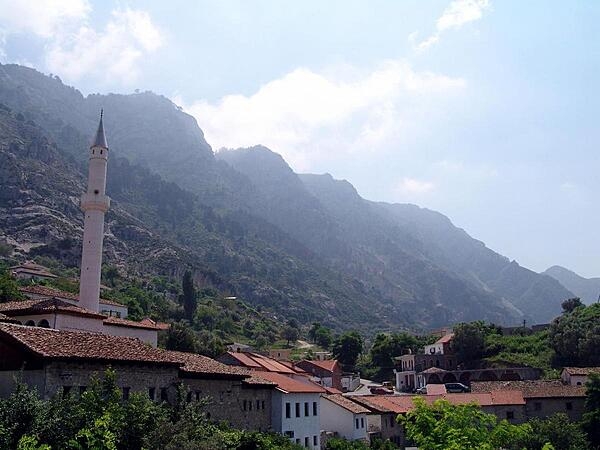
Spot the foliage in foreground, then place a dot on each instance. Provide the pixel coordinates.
(101, 420)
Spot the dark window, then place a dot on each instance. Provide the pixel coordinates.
(164, 395)
(297, 409)
(198, 395)
(245, 407)
(257, 404)
(250, 405)
(125, 393)
(362, 422)
(569, 406)
(306, 410)
(356, 420)
(263, 404)
(189, 397)
(392, 422)
(510, 415)
(315, 441)
(537, 406)
(306, 441)
(315, 410)
(82, 389)
(289, 434)
(151, 393)
(44, 323)
(288, 411)
(66, 390)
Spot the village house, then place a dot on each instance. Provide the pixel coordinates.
(343, 417)
(542, 398)
(327, 373)
(382, 418)
(31, 271)
(578, 376)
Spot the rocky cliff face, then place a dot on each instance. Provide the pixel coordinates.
(302, 246)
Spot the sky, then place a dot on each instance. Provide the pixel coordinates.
(484, 110)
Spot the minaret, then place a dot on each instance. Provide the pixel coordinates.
(94, 204)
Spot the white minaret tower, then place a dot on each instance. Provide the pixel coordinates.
(94, 204)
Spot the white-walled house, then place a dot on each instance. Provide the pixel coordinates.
(344, 417)
(296, 409)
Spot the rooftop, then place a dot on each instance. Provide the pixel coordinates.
(347, 404)
(291, 385)
(53, 292)
(582, 371)
(198, 364)
(260, 362)
(47, 343)
(445, 339)
(530, 388)
(52, 305)
(145, 324)
(328, 364)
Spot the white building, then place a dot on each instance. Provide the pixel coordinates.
(31, 271)
(344, 417)
(296, 409)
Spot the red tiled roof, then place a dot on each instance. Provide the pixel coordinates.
(328, 364)
(52, 292)
(258, 381)
(118, 322)
(445, 339)
(43, 306)
(582, 371)
(158, 325)
(199, 364)
(332, 390)
(75, 345)
(260, 362)
(291, 385)
(347, 403)
(5, 318)
(531, 388)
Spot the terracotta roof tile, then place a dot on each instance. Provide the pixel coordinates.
(5, 318)
(199, 364)
(347, 403)
(46, 306)
(291, 385)
(328, 364)
(260, 362)
(531, 388)
(582, 371)
(71, 345)
(117, 321)
(53, 292)
(445, 339)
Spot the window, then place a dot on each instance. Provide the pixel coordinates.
(198, 395)
(362, 422)
(537, 406)
(306, 410)
(151, 393)
(66, 390)
(288, 411)
(315, 410)
(245, 406)
(510, 415)
(44, 323)
(356, 421)
(257, 404)
(250, 405)
(298, 441)
(289, 434)
(164, 395)
(30, 323)
(392, 422)
(569, 406)
(306, 441)
(189, 396)
(297, 409)
(315, 441)
(125, 393)
(82, 389)
(262, 404)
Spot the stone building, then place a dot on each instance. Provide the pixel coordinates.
(327, 373)
(578, 376)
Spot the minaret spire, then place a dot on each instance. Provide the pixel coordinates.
(94, 204)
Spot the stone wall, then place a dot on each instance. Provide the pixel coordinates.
(544, 407)
(242, 406)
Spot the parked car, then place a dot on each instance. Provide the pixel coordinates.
(380, 390)
(421, 390)
(454, 388)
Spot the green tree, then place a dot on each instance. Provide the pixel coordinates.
(469, 342)
(575, 336)
(570, 304)
(9, 289)
(182, 338)
(347, 348)
(312, 333)
(443, 426)
(591, 418)
(556, 430)
(323, 337)
(290, 334)
(188, 298)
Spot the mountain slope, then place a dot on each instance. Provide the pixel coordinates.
(587, 289)
(305, 246)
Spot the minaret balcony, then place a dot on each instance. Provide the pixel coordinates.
(97, 202)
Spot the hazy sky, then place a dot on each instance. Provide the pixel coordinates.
(484, 110)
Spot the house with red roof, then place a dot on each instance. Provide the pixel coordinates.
(327, 373)
(344, 417)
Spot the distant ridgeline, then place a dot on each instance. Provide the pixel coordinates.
(302, 246)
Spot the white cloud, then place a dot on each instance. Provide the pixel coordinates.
(76, 48)
(307, 115)
(458, 13)
(412, 186)
(112, 52)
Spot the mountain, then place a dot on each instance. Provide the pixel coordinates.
(587, 289)
(302, 246)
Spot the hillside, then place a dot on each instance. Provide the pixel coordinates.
(307, 247)
(587, 289)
